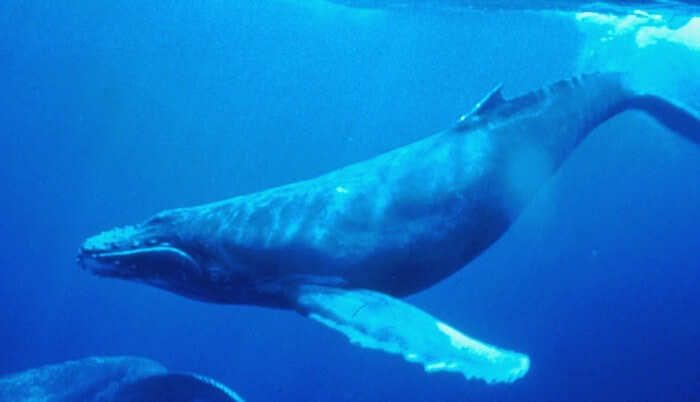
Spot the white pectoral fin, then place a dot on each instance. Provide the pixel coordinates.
(378, 321)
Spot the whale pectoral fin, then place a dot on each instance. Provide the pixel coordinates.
(377, 321)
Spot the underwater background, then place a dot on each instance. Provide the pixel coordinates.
(113, 111)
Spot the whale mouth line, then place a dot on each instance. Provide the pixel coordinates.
(129, 263)
(106, 255)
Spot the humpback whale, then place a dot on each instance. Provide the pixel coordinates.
(343, 248)
(111, 379)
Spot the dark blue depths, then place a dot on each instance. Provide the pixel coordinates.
(112, 112)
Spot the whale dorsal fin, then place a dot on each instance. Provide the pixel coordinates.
(378, 321)
(493, 100)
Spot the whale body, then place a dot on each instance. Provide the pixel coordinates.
(343, 247)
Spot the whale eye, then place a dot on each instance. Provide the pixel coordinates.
(218, 274)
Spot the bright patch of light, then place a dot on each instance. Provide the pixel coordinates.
(648, 29)
(435, 366)
(659, 54)
(688, 34)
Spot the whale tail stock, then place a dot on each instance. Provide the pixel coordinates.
(559, 116)
(623, 94)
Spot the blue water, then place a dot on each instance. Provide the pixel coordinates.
(113, 111)
(621, 7)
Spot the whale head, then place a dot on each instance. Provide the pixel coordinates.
(168, 251)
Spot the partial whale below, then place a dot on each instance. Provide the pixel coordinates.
(344, 247)
(111, 379)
